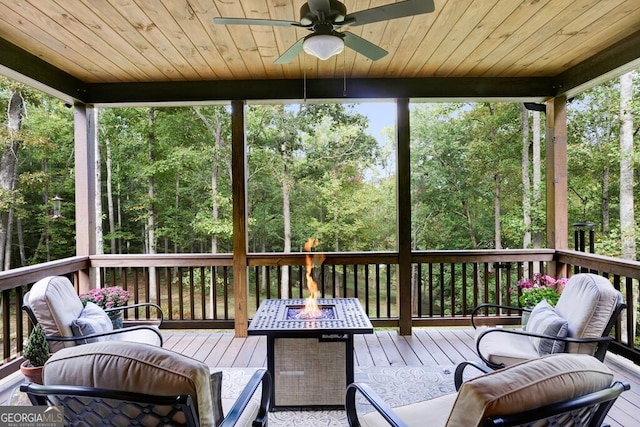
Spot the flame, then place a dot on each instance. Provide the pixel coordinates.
(311, 309)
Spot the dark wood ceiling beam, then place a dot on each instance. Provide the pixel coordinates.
(620, 58)
(321, 89)
(26, 68)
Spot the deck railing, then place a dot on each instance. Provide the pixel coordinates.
(196, 290)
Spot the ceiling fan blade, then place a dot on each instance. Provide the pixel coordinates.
(290, 53)
(364, 47)
(390, 11)
(245, 21)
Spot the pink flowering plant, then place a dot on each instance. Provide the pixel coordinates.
(541, 287)
(109, 297)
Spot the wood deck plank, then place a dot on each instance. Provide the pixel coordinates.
(389, 348)
(427, 341)
(409, 356)
(246, 351)
(259, 356)
(425, 356)
(218, 350)
(210, 342)
(230, 356)
(375, 348)
(362, 356)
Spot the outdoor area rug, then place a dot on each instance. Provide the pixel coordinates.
(396, 385)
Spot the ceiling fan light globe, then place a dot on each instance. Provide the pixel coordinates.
(323, 46)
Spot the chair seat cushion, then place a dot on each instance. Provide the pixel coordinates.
(528, 385)
(143, 336)
(509, 349)
(544, 320)
(92, 320)
(432, 413)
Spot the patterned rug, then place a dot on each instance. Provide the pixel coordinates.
(396, 385)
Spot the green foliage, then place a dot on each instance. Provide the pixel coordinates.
(531, 297)
(340, 182)
(36, 350)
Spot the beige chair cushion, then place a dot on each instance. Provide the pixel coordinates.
(528, 385)
(133, 367)
(55, 304)
(587, 303)
(432, 413)
(508, 349)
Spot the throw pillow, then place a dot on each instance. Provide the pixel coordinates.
(544, 320)
(92, 320)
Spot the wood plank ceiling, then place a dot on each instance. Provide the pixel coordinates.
(142, 41)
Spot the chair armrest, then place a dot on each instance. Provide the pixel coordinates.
(380, 405)
(458, 376)
(138, 306)
(103, 334)
(261, 376)
(531, 334)
(490, 305)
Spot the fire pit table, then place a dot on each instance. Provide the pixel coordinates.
(310, 359)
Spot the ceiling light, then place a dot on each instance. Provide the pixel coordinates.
(323, 46)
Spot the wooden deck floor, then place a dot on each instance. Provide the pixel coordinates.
(426, 346)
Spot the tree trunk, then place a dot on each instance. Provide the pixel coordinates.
(537, 176)
(496, 212)
(627, 219)
(23, 255)
(469, 221)
(110, 207)
(606, 198)
(526, 182)
(151, 227)
(9, 171)
(98, 190)
(286, 211)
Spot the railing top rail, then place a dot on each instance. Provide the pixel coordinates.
(162, 260)
(331, 258)
(484, 255)
(621, 267)
(30, 274)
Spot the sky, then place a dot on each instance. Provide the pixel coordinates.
(380, 114)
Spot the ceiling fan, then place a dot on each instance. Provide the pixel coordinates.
(324, 17)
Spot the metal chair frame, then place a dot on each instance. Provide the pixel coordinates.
(587, 411)
(95, 403)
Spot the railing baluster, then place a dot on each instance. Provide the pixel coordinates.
(453, 289)
(366, 288)
(225, 282)
(6, 324)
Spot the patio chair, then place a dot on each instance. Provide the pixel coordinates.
(53, 303)
(124, 383)
(581, 322)
(561, 389)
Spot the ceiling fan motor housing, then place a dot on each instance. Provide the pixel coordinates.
(336, 14)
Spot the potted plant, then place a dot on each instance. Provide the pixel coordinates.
(108, 298)
(36, 352)
(542, 287)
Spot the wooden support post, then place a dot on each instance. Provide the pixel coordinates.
(84, 129)
(404, 214)
(239, 190)
(557, 182)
